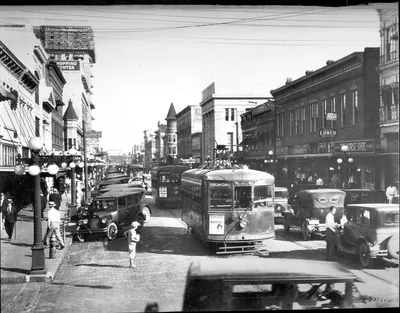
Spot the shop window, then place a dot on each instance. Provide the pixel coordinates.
(343, 109)
(354, 102)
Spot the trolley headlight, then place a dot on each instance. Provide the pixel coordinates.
(243, 223)
(103, 220)
(85, 221)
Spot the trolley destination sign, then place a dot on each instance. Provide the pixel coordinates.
(327, 132)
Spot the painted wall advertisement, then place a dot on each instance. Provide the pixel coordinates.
(217, 223)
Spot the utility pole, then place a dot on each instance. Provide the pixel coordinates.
(85, 161)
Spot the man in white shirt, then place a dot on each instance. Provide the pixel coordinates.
(330, 233)
(54, 221)
(320, 181)
(391, 191)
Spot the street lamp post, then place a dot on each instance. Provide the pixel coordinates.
(346, 165)
(271, 160)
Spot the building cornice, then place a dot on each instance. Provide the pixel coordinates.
(40, 54)
(10, 61)
(344, 65)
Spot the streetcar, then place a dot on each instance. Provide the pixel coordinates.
(166, 184)
(230, 209)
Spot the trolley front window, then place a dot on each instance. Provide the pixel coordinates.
(220, 197)
(165, 178)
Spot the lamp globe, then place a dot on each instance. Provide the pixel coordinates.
(35, 143)
(34, 170)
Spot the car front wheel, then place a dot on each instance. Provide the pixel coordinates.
(363, 255)
(146, 214)
(79, 236)
(112, 231)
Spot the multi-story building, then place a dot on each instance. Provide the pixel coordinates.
(149, 149)
(170, 138)
(389, 91)
(189, 134)
(31, 89)
(220, 120)
(320, 112)
(73, 50)
(159, 138)
(258, 128)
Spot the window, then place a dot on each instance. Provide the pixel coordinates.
(343, 109)
(297, 121)
(324, 106)
(37, 127)
(232, 114)
(354, 102)
(303, 119)
(291, 122)
(282, 125)
(313, 116)
(121, 203)
(332, 102)
(226, 114)
(230, 140)
(278, 124)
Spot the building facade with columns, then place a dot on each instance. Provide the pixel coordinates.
(389, 95)
(320, 112)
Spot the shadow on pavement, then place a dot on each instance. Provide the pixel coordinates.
(21, 244)
(15, 270)
(163, 240)
(85, 286)
(100, 265)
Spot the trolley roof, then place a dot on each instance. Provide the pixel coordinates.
(242, 174)
(178, 167)
(279, 270)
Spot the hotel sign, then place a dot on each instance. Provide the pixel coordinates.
(68, 65)
(356, 146)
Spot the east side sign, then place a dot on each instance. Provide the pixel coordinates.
(361, 146)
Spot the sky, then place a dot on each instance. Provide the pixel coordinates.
(148, 57)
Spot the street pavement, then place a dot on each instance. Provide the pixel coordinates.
(16, 255)
(95, 277)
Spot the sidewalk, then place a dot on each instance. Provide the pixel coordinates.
(16, 255)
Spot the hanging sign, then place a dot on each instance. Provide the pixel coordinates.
(217, 223)
(331, 116)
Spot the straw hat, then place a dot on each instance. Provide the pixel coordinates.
(135, 224)
(51, 203)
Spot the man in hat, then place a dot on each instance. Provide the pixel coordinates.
(133, 239)
(53, 225)
(56, 198)
(9, 217)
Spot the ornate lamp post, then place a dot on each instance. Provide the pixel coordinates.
(38, 258)
(346, 165)
(271, 160)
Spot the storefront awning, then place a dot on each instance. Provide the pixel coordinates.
(6, 95)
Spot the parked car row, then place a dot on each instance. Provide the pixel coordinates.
(371, 231)
(116, 204)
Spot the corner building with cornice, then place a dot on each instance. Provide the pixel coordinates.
(318, 113)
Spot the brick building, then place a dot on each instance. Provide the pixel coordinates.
(188, 131)
(318, 113)
(389, 101)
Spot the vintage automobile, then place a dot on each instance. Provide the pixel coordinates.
(372, 232)
(281, 203)
(107, 188)
(309, 210)
(114, 181)
(268, 284)
(358, 196)
(113, 210)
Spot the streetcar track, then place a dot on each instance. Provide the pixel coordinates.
(343, 262)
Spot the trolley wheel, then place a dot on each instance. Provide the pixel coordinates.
(305, 232)
(112, 231)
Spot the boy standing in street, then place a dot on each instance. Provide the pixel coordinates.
(54, 222)
(133, 239)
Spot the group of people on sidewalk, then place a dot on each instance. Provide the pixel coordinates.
(9, 215)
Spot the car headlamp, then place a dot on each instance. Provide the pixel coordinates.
(243, 223)
(85, 214)
(103, 220)
(85, 221)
